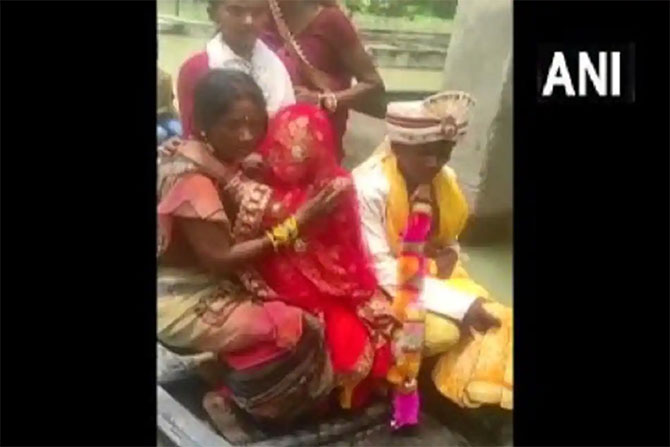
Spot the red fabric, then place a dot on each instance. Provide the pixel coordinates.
(334, 274)
(323, 41)
(383, 358)
(259, 354)
(194, 69)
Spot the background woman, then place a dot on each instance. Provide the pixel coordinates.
(322, 52)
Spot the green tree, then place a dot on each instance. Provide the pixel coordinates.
(403, 8)
(356, 6)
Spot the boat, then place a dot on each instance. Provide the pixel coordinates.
(182, 422)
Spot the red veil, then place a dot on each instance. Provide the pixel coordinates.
(328, 272)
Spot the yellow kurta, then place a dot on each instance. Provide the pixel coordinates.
(473, 370)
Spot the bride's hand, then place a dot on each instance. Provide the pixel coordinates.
(254, 166)
(324, 201)
(276, 211)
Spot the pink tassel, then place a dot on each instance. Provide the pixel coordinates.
(405, 409)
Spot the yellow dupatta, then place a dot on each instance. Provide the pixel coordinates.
(453, 209)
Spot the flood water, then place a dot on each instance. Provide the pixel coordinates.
(490, 266)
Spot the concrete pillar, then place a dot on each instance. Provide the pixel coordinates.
(495, 199)
(479, 62)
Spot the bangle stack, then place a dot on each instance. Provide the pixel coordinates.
(284, 233)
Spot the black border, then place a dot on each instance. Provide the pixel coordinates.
(591, 235)
(78, 314)
(78, 208)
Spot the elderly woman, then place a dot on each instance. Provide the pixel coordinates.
(211, 299)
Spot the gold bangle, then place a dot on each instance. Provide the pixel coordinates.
(284, 233)
(272, 240)
(292, 226)
(280, 234)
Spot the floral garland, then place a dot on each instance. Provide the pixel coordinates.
(409, 308)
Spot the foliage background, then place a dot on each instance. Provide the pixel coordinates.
(403, 8)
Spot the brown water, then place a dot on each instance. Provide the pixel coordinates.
(492, 267)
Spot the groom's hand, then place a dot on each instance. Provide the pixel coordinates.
(445, 259)
(478, 318)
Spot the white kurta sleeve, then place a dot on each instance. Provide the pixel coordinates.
(371, 208)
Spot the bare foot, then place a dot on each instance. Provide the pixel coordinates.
(222, 415)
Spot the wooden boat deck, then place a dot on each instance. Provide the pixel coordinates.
(181, 420)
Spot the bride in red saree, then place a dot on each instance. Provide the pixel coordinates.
(327, 272)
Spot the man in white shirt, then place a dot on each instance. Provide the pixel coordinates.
(236, 46)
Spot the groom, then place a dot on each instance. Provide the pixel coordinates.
(420, 138)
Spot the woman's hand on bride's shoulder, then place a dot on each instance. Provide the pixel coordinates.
(193, 149)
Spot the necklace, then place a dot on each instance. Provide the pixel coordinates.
(286, 33)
